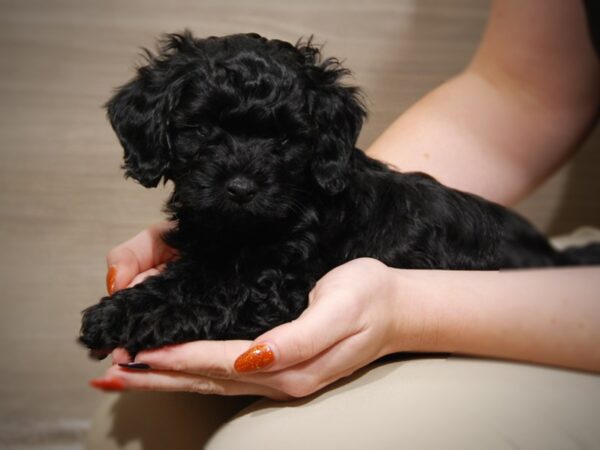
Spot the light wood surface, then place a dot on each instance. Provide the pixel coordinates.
(64, 203)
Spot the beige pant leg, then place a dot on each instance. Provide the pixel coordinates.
(454, 403)
(426, 403)
(160, 421)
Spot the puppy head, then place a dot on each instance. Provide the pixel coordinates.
(240, 123)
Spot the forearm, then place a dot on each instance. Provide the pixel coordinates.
(518, 111)
(546, 316)
(449, 133)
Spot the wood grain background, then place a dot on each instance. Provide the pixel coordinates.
(64, 203)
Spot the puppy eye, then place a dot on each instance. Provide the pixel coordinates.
(284, 141)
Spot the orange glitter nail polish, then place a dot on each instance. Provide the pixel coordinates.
(108, 384)
(111, 278)
(256, 358)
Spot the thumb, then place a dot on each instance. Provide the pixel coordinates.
(123, 266)
(322, 325)
(143, 252)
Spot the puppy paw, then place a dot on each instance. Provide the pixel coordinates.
(102, 327)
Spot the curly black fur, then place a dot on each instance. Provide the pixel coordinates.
(258, 137)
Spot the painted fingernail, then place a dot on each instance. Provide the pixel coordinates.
(111, 278)
(108, 384)
(256, 358)
(135, 366)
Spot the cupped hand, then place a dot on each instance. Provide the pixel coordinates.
(352, 319)
(143, 255)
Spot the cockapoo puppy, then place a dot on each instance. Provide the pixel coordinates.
(258, 138)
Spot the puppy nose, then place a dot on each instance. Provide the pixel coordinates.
(241, 189)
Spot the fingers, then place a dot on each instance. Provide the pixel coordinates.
(201, 368)
(148, 273)
(337, 362)
(209, 358)
(139, 254)
(321, 326)
(118, 378)
(120, 356)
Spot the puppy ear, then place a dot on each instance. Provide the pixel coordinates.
(338, 113)
(140, 110)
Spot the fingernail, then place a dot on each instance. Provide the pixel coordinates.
(256, 358)
(111, 278)
(108, 384)
(136, 366)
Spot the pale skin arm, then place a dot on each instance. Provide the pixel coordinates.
(498, 129)
(515, 114)
(546, 316)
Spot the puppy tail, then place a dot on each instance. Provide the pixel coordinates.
(587, 255)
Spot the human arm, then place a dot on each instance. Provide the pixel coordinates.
(515, 114)
(546, 316)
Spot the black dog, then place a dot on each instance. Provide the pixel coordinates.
(270, 193)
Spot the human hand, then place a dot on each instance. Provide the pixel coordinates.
(142, 256)
(354, 317)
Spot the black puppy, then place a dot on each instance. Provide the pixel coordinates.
(270, 193)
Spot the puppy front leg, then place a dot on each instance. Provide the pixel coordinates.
(108, 324)
(202, 308)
